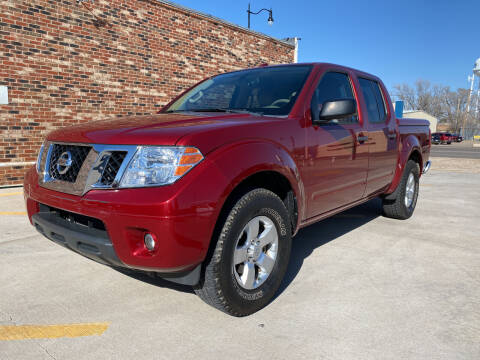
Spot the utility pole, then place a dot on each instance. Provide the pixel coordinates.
(476, 103)
(472, 81)
(476, 71)
(471, 78)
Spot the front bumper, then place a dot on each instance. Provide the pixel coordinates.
(181, 216)
(91, 243)
(95, 244)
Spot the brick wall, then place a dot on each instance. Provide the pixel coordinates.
(65, 62)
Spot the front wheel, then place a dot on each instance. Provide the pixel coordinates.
(401, 203)
(250, 257)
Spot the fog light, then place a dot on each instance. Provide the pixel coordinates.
(149, 242)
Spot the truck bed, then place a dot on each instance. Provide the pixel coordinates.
(403, 122)
(418, 128)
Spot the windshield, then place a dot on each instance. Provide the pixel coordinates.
(269, 91)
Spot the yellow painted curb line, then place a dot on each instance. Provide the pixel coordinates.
(11, 194)
(13, 213)
(22, 332)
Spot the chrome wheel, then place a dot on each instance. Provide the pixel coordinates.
(255, 252)
(410, 190)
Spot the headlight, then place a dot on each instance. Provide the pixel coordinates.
(39, 158)
(159, 165)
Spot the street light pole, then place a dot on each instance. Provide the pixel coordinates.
(270, 16)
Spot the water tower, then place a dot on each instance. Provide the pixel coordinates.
(476, 69)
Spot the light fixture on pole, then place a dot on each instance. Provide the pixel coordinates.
(270, 16)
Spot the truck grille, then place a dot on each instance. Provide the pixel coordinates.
(112, 166)
(76, 153)
(75, 168)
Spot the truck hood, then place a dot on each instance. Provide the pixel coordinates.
(158, 129)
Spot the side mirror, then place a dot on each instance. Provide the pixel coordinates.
(336, 109)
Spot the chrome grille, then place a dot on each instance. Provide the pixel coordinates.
(77, 154)
(85, 167)
(112, 166)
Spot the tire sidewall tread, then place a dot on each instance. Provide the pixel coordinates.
(219, 287)
(394, 204)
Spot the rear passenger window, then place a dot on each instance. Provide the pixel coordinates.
(380, 102)
(374, 101)
(332, 86)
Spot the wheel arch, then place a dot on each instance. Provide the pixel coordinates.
(410, 150)
(244, 166)
(416, 156)
(271, 180)
(265, 164)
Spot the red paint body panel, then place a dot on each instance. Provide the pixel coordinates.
(327, 167)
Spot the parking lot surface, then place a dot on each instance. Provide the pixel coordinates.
(359, 286)
(464, 150)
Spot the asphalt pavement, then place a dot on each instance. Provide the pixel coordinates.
(359, 286)
(461, 150)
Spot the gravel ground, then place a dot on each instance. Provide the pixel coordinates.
(456, 165)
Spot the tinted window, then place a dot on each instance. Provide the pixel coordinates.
(374, 100)
(332, 86)
(270, 90)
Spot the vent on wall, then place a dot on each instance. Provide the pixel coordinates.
(3, 95)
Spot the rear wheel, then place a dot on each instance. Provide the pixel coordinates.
(250, 257)
(401, 203)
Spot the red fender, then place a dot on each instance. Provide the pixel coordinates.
(269, 156)
(408, 146)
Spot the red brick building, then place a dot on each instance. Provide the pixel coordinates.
(66, 62)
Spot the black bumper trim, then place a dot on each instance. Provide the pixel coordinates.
(91, 243)
(96, 245)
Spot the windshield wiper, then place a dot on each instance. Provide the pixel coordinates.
(227, 110)
(199, 110)
(245, 111)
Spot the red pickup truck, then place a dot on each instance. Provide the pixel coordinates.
(210, 191)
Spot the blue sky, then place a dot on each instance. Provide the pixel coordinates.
(399, 41)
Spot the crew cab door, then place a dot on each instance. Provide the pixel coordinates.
(336, 161)
(382, 136)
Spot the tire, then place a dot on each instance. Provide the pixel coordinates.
(396, 205)
(222, 285)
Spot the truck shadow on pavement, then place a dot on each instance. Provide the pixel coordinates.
(321, 233)
(306, 241)
(156, 281)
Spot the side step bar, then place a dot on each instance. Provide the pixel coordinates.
(427, 167)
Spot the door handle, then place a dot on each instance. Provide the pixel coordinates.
(392, 136)
(362, 139)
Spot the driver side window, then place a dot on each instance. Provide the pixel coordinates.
(332, 86)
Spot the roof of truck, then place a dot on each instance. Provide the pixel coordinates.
(322, 64)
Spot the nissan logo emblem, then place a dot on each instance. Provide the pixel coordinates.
(64, 162)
